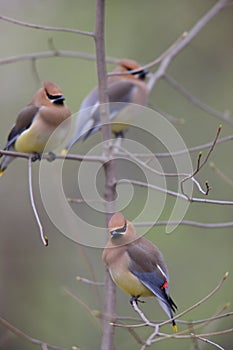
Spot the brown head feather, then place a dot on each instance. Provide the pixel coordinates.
(116, 221)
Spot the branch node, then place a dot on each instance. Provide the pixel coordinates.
(208, 188)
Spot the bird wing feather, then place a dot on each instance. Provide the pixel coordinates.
(146, 263)
(23, 122)
(88, 120)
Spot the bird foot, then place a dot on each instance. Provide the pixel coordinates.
(136, 299)
(36, 156)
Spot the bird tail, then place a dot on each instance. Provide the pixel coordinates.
(168, 306)
(6, 160)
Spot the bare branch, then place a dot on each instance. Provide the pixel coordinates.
(195, 148)
(208, 320)
(186, 223)
(223, 116)
(221, 174)
(80, 200)
(52, 156)
(173, 193)
(37, 26)
(188, 336)
(44, 238)
(203, 300)
(109, 167)
(26, 337)
(186, 40)
(209, 342)
(87, 281)
(146, 166)
(152, 63)
(148, 323)
(54, 53)
(130, 329)
(183, 151)
(201, 165)
(84, 305)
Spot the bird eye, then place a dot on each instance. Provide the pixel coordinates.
(57, 99)
(119, 230)
(141, 74)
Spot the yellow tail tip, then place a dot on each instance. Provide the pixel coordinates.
(64, 152)
(1, 172)
(175, 328)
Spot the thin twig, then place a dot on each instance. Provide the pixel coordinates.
(35, 71)
(183, 151)
(145, 165)
(207, 320)
(201, 165)
(154, 62)
(173, 193)
(209, 342)
(202, 322)
(43, 237)
(188, 336)
(194, 340)
(87, 281)
(25, 336)
(148, 323)
(47, 156)
(38, 26)
(44, 346)
(138, 325)
(40, 55)
(221, 174)
(223, 116)
(186, 40)
(200, 302)
(80, 200)
(185, 223)
(141, 314)
(130, 330)
(84, 305)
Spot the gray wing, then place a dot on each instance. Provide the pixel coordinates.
(88, 117)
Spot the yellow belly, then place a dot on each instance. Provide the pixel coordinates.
(39, 138)
(29, 142)
(130, 283)
(125, 118)
(117, 127)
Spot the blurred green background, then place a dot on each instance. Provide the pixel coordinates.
(34, 279)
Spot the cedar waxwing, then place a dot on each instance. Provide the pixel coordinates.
(37, 121)
(136, 265)
(128, 88)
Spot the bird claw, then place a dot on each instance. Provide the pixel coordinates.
(136, 300)
(36, 156)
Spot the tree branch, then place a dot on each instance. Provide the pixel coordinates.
(200, 165)
(223, 116)
(173, 193)
(183, 151)
(38, 26)
(52, 156)
(186, 40)
(109, 168)
(185, 223)
(26, 337)
(44, 238)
